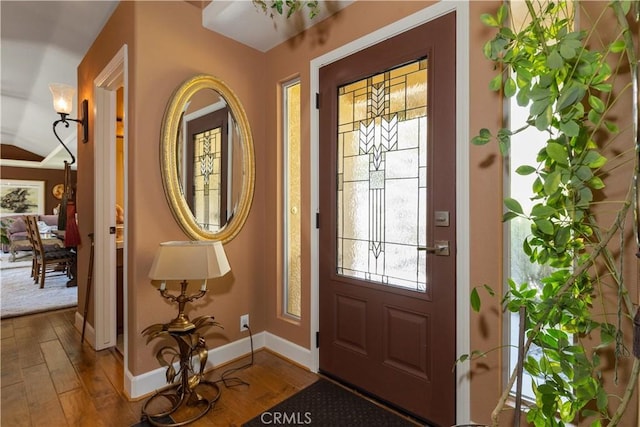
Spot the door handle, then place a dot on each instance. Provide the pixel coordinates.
(440, 248)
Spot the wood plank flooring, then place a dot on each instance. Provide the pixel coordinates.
(49, 379)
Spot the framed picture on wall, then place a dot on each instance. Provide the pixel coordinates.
(21, 197)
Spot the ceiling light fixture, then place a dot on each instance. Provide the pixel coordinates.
(63, 104)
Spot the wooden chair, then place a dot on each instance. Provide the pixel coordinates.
(31, 239)
(48, 260)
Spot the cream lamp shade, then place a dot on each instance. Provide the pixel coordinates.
(62, 97)
(189, 260)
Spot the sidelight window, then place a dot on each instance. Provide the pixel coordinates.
(524, 149)
(291, 200)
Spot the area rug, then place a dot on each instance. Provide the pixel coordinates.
(324, 403)
(23, 259)
(19, 295)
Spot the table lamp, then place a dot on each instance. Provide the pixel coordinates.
(187, 262)
(184, 262)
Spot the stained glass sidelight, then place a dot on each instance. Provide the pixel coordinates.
(292, 225)
(206, 184)
(382, 177)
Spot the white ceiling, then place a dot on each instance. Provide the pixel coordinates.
(259, 30)
(44, 41)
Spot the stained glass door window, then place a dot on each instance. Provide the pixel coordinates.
(207, 176)
(382, 177)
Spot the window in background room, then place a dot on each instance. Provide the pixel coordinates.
(291, 199)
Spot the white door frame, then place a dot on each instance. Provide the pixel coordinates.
(463, 394)
(112, 77)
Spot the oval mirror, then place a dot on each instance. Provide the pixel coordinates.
(207, 160)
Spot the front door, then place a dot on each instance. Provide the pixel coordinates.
(387, 220)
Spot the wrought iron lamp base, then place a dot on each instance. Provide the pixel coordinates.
(180, 398)
(191, 396)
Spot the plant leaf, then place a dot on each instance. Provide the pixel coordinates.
(509, 88)
(570, 95)
(554, 60)
(611, 127)
(594, 160)
(489, 20)
(496, 83)
(557, 152)
(525, 170)
(618, 46)
(552, 182)
(475, 300)
(543, 211)
(570, 128)
(596, 103)
(482, 138)
(513, 205)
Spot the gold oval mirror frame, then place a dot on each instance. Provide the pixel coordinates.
(169, 158)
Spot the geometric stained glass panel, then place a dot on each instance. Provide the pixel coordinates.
(382, 170)
(207, 178)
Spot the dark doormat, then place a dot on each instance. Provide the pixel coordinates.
(324, 403)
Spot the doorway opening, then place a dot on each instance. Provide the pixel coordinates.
(110, 206)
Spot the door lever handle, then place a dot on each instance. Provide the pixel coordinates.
(441, 248)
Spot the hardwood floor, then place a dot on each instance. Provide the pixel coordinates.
(49, 379)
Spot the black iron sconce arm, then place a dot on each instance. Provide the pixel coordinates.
(84, 121)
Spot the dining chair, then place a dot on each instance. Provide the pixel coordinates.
(31, 239)
(48, 260)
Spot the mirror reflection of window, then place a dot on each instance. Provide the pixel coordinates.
(206, 156)
(207, 165)
(207, 197)
(199, 105)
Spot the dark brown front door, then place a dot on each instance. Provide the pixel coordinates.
(387, 227)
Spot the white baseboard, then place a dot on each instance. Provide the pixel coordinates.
(300, 355)
(147, 383)
(89, 332)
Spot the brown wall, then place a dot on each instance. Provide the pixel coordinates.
(117, 31)
(167, 45)
(485, 201)
(51, 177)
(617, 175)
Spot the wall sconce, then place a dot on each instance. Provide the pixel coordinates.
(63, 104)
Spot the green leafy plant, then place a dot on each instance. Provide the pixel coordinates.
(288, 7)
(4, 238)
(549, 68)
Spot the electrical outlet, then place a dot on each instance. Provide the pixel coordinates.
(244, 321)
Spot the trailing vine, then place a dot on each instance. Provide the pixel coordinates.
(568, 88)
(288, 7)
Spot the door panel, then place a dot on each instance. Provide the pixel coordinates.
(387, 200)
